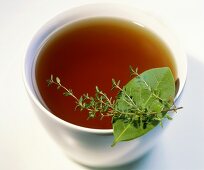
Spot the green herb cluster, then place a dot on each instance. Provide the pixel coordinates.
(139, 106)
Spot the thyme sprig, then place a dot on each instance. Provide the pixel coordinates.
(124, 107)
(101, 103)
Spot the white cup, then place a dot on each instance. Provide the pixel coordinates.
(92, 146)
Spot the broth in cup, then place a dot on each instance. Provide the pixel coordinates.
(88, 46)
(91, 52)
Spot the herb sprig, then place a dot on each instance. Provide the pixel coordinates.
(139, 106)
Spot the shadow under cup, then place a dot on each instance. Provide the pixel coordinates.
(92, 146)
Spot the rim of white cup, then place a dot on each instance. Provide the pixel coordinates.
(92, 10)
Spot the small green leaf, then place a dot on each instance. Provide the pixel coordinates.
(92, 115)
(97, 89)
(49, 83)
(58, 80)
(67, 93)
(118, 83)
(81, 100)
(168, 117)
(113, 84)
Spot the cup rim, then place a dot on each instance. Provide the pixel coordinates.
(62, 14)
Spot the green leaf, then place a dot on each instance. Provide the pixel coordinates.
(51, 77)
(149, 92)
(127, 131)
(168, 117)
(58, 80)
(67, 93)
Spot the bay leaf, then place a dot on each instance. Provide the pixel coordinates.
(148, 92)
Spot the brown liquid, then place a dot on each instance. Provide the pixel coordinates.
(91, 52)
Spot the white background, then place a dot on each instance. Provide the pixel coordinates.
(25, 145)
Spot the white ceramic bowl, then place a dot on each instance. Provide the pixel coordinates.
(92, 146)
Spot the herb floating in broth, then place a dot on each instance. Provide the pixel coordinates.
(139, 106)
(91, 52)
